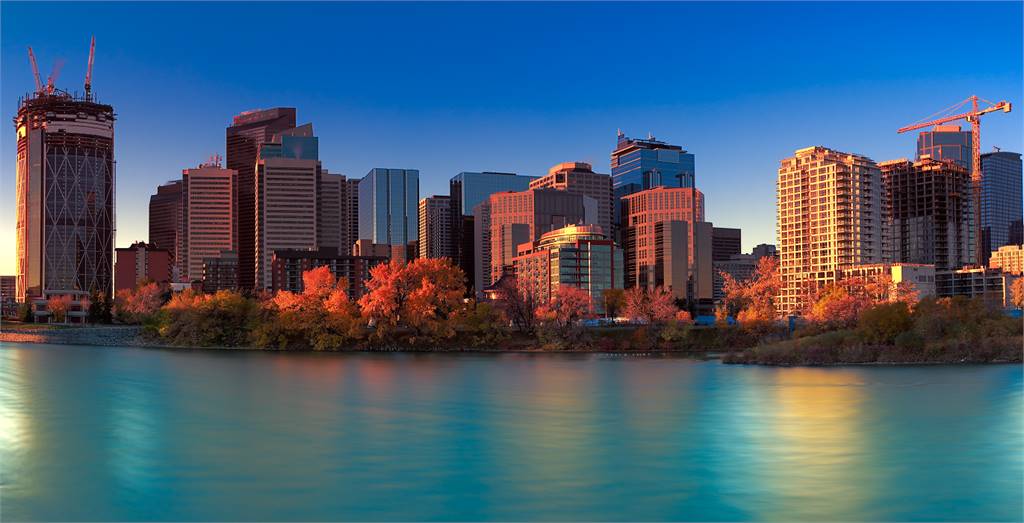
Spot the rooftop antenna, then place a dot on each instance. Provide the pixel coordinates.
(35, 70)
(88, 70)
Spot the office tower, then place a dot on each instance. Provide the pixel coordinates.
(829, 217)
(64, 189)
(508, 219)
(350, 212)
(467, 190)
(946, 142)
(388, 201)
(926, 213)
(764, 249)
(639, 164)
(220, 273)
(248, 131)
(287, 178)
(435, 220)
(141, 262)
(581, 256)
(1008, 258)
(1002, 204)
(165, 217)
(647, 220)
(332, 223)
(725, 243)
(207, 217)
(579, 178)
(289, 264)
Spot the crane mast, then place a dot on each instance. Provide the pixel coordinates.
(88, 70)
(974, 118)
(35, 70)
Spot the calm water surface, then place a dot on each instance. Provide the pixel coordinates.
(131, 434)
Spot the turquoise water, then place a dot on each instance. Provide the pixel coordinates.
(131, 434)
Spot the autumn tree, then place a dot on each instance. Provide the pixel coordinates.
(58, 307)
(419, 297)
(654, 306)
(1017, 293)
(568, 306)
(321, 317)
(224, 319)
(753, 299)
(518, 303)
(138, 304)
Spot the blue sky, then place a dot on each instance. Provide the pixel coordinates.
(518, 87)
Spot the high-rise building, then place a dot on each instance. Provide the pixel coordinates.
(388, 205)
(580, 256)
(165, 218)
(248, 131)
(762, 250)
(580, 178)
(926, 213)
(220, 273)
(141, 262)
(435, 221)
(667, 242)
(829, 217)
(467, 190)
(639, 164)
(64, 189)
(1008, 258)
(508, 219)
(726, 243)
(287, 178)
(350, 212)
(1002, 203)
(208, 217)
(336, 220)
(946, 142)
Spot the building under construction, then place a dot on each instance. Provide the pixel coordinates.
(64, 192)
(927, 212)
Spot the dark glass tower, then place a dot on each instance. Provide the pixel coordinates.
(1002, 204)
(946, 142)
(248, 131)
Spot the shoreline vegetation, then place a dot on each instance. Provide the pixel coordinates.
(420, 307)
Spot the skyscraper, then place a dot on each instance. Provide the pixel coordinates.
(667, 242)
(350, 212)
(725, 243)
(946, 142)
(580, 178)
(926, 213)
(287, 177)
(64, 190)
(435, 221)
(248, 131)
(467, 190)
(639, 164)
(388, 201)
(829, 217)
(165, 218)
(1002, 203)
(207, 217)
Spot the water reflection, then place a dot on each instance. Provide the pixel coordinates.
(116, 434)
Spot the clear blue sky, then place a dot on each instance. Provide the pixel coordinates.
(519, 87)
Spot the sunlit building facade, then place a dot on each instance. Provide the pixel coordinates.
(580, 178)
(435, 221)
(64, 196)
(829, 206)
(207, 216)
(580, 256)
(1009, 259)
(141, 262)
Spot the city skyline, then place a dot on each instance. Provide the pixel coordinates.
(525, 121)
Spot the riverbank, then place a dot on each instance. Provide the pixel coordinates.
(830, 349)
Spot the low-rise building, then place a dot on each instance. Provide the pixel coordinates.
(220, 273)
(8, 293)
(921, 276)
(991, 285)
(289, 264)
(141, 262)
(581, 256)
(1008, 258)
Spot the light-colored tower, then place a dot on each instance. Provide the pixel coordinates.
(208, 217)
(829, 217)
(580, 178)
(435, 220)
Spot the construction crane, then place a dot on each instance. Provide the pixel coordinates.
(974, 118)
(51, 81)
(88, 71)
(35, 70)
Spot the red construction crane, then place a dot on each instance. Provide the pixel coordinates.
(974, 117)
(88, 71)
(35, 70)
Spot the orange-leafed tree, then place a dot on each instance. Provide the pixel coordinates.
(1017, 293)
(136, 305)
(58, 307)
(654, 306)
(320, 317)
(419, 298)
(567, 307)
(753, 299)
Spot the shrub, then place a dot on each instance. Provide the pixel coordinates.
(883, 322)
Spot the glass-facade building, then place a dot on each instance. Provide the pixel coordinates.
(388, 206)
(946, 142)
(639, 164)
(1002, 203)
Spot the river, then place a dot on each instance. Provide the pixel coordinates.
(95, 433)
